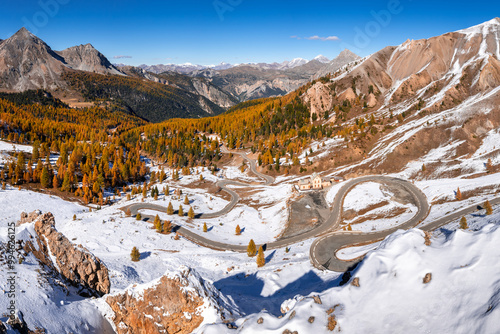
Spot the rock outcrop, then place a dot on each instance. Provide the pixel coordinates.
(171, 304)
(320, 99)
(29, 217)
(15, 325)
(74, 263)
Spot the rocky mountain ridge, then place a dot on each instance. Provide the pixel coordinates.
(74, 263)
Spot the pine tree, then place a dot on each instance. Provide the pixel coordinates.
(487, 206)
(66, 186)
(167, 226)
(157, 224)
(238, 230)
(74, 217)
(55, 182)
(201, 177)
(170, 209)
(186, 200)
(458, 195)
(128, 212)
(135, 255)
(191, 212)
(44, 179)
(261, 260)
(138, 217)
(251, 249)
(424, 168)
(205, 228)
(181, 211)
(20, 167)
(463, 223)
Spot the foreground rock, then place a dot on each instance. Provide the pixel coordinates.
(74, 263)
(15, 325)
(175, 303)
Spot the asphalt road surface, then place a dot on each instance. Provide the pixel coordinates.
(329, 241)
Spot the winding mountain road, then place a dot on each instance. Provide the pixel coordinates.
(323, 250)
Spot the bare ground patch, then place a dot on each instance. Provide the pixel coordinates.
(386, 215)
(306, 212)
(350, 214)
(480, 191)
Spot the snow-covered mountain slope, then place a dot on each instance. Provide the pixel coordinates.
(405, 286)
(322, 59)
(432, 101)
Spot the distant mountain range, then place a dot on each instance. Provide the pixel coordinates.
(188, 67)
(258, 80)
(27, 62)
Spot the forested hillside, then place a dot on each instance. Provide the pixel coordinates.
(85, 144)
(149, 100)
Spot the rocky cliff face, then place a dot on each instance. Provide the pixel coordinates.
(175, 303)
(319, 98)
(74, 263)
(214, 94)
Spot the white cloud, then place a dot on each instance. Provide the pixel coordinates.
(318, 38)
(120, 57)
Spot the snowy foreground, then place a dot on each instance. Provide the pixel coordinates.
(462, 296)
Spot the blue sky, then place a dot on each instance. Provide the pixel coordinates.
(236, 31)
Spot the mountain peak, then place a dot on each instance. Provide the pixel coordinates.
(347, 53)
(322, 59)
(480, 28)
(23, 33)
